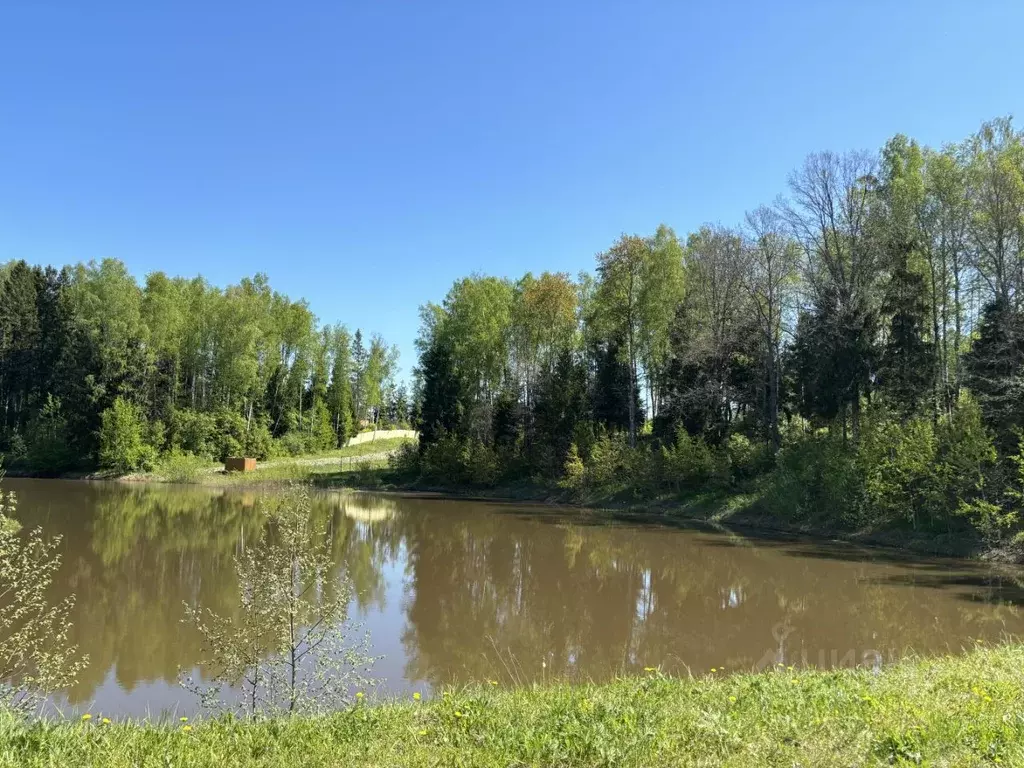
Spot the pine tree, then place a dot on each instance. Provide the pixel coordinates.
(995, 371)
(906, 371)
(443, 395)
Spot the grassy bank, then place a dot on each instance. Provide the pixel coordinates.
(957, 711)
(310, 467)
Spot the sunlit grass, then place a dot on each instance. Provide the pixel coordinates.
(343, 461)
(960, 711)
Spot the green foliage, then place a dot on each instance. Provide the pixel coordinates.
(47, 448)
(122, 443)
(689, 463)
(36, 658)
(573, 472)
(816, 479)
(178, 467)
(452, 460)
(897, 461)
(289, 648)
(963, 712)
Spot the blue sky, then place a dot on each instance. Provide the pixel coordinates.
(366, 154)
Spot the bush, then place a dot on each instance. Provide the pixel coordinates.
(259, 444)
(746, 459)
(405, 462)
(178, 467)
(193, 432)
(897, 461)
(573, 472)
(122, 445)
(816, 478)
(36, 657)
(689, 463)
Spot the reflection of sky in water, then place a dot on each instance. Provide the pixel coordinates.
(459, 591)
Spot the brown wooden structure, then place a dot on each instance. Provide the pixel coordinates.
(239, 464)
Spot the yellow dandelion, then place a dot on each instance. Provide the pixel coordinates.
(795, 681)
(493, 682)
(183, 719)
(416, 696)
(650, 669)
(105, 721)
(87, 716)
(360, 695)
(423, 733)
(458, 714)
(732, 699)
(713, 669)
(186, 728)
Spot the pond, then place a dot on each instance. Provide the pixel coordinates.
(457, 591)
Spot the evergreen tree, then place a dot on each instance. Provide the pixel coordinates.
(612, 387)
(995, 371)
(561, 406)
(442, 403)
(906, 370)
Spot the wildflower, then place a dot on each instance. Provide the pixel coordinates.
(87, 716)
(713, 669)
(732, 699)
(360, 695)
(795, 681)
(186, 728)
(650, 669)
(423, 732)
(183, 719)
(416, 696)
(105, 721)
(493, 682)
(458, 714)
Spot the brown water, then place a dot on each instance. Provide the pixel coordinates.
(454, 591)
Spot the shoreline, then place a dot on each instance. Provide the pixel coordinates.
(964, 709)
(730, 512)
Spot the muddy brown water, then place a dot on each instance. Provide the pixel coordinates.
(458, 591)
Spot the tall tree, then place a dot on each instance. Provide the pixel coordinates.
(829, 216)
(771, 282)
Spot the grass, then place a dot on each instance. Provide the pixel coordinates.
(187, 469)
(954, 711)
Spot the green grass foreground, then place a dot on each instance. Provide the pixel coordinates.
(955, 711)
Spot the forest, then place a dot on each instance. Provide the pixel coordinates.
(98, 371)
(852, 352)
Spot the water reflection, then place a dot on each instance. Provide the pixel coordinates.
(458, 591)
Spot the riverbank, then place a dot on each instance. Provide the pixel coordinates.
(738, 510)
(966, 710)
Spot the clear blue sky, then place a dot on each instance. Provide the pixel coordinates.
(366, 154)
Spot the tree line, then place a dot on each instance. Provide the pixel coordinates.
(855, 348)
(98, 370)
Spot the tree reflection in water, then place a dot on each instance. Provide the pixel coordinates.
(485, 591)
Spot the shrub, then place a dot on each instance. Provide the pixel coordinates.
(745, 458)
(122, 445)
(292, 606)
(193, 432)
(230, 434)
(573, 472)
(689, 463)
(178, 467)
(897, 461)
(405, 462)
(816, 477)
(35, 656)
(259, 444)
